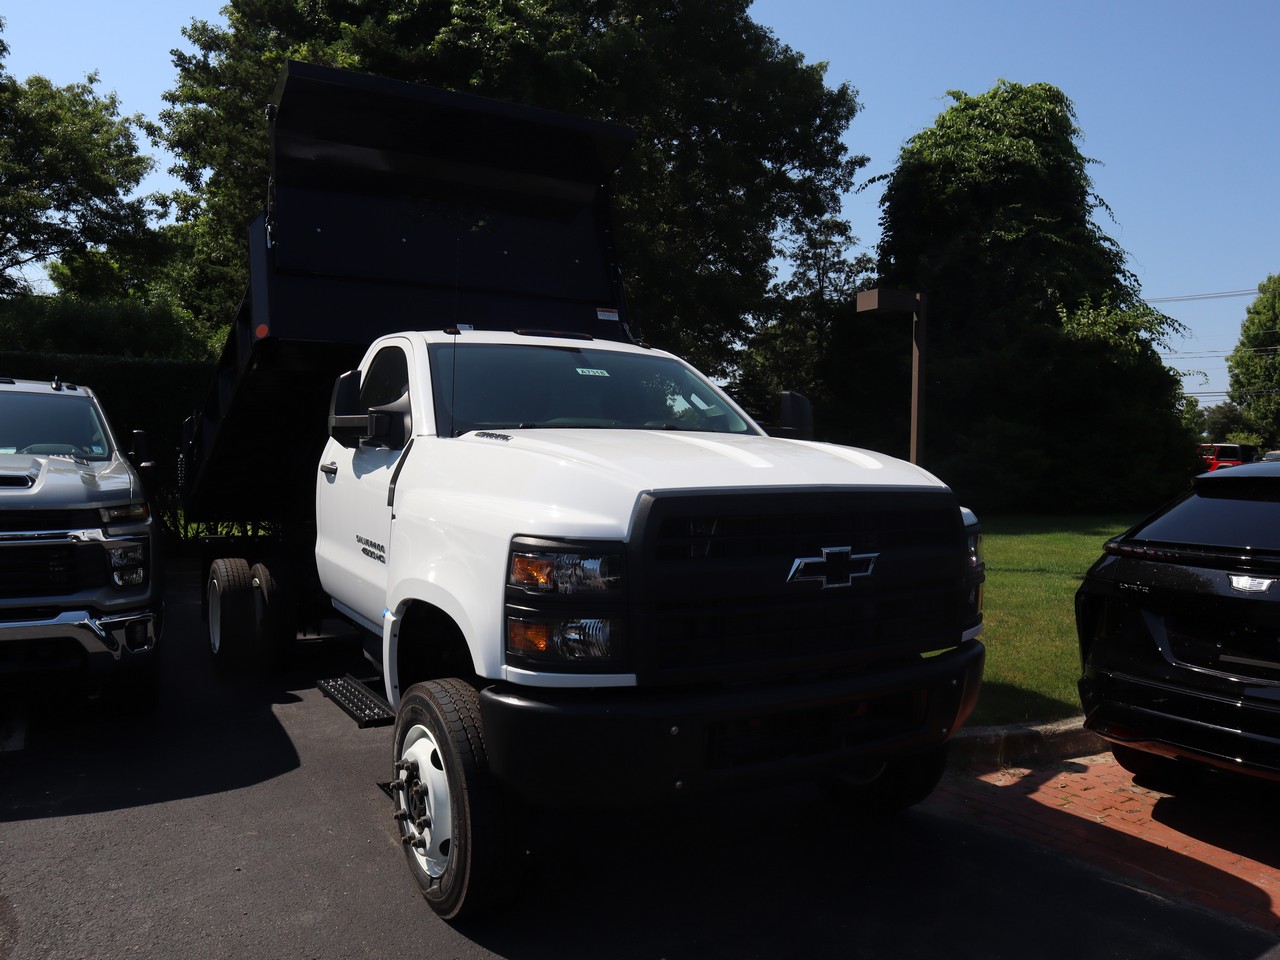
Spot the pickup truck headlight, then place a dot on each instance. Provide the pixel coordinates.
(565, 604)
(128, 564)
(125, 513)
(977, 568)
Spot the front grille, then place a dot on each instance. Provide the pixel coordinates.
(713, 599)
(25, 521)
(35, 570)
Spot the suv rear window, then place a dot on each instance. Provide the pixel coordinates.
(1240, 514)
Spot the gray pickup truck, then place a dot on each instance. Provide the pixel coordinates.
(80, 591)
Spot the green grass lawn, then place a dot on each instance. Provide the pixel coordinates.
(1034, 565)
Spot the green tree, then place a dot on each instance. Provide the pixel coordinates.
(1009, 207)
(792, 334)
(1254, 365)
(1224, 420)
(1194, 417)
(1042, 353)
(122, 327)
(69, 164)
(739, 147)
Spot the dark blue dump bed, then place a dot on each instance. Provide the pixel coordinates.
(394, 206)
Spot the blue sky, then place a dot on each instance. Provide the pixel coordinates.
(1177, 100)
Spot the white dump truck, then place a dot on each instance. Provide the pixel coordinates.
(584, 574)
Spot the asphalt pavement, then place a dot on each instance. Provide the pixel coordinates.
(245, 820)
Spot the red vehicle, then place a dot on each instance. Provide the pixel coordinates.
(1216, 455)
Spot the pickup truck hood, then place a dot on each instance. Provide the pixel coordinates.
(586, 482)
(61, 483)
(669, 459)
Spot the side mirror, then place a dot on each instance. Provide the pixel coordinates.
(391, 424)
(347, 422)
(795, 416)
(139, 447)
(139, 454)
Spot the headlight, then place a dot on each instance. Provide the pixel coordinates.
(128, 564)
(565, 639)
(125, 513)
(977, 572)
(973, 534)
(562, 573)
(565, 604)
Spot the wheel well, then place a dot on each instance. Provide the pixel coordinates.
(431, 646)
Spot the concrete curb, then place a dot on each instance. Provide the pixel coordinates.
(1026, 744)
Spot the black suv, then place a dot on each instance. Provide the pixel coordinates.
(79, 586)
(1179, 628)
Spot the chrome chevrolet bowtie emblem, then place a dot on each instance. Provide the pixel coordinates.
(835, 568)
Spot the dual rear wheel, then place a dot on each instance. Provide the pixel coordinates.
(250, 617)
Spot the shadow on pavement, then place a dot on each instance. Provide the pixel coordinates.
(788, 873)
(1070, 806)
(1228, 812)
(206, 734)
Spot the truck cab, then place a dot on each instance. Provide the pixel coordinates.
(637, 592)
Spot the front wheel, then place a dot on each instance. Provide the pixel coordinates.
(456, 823)
(890, 786)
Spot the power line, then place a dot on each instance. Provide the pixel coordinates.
(1223, 295)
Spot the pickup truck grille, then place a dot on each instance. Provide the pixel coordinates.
(715, 597)
(25, 521)
(35, 570)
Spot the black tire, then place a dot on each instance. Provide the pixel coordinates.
(231, 626)
(274, 621)
(456, 823)
(888, 788)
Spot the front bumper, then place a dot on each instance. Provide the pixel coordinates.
(79, 641)
(1239, 733)
(621, 747)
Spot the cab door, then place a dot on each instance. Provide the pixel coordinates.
(353, 516)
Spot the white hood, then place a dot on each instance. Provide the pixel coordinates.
(587, 482)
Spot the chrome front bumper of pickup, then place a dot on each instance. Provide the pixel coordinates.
(113, 634)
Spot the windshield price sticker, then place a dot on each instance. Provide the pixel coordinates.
(589, 372)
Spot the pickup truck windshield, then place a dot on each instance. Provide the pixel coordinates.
(514, 386)
(46, 425)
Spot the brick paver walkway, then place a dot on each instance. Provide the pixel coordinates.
(1217, 846)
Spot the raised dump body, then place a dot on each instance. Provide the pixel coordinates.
(393, 206)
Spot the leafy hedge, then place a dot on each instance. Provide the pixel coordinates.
(127, 328)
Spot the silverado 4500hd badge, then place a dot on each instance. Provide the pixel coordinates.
(371, 549)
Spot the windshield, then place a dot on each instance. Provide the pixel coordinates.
(46, 425)
(510, 386)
